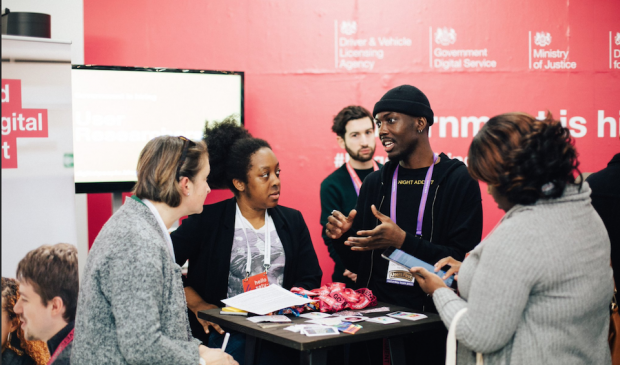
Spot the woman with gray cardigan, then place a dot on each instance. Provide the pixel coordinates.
(537, 289)
(131, 306)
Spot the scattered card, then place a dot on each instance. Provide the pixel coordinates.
(332, 321)
(352, 329)
(343, 326)
(321, 331)
(315, 315)
(407, 315)
(383, 320)
(354, 319)
(347, 313)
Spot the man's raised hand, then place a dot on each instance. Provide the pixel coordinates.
(338, 224)
(387, 234)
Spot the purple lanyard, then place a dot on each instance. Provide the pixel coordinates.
(427, 186)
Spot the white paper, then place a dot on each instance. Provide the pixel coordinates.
(383, 320)
(275, 319)
(326, 321)
(265, 300)
(295, 328)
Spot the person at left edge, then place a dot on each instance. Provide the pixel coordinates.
(48, 288)
(355, 133)
(16, 349)
(216, 241)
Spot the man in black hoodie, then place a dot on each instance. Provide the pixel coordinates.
(448, 224)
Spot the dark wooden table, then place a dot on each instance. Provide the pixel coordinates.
(314, 349)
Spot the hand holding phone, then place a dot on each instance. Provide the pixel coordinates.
(455, 266)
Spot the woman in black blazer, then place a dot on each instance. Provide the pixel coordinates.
(217, 241)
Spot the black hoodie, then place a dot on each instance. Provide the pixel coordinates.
(452, 225)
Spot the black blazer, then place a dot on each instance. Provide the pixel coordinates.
(206, 240)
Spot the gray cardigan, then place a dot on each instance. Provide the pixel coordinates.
(131, 306)
(537, 288)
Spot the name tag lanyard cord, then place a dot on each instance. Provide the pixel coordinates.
(267, 258)
(63, 345)
(427, 186)
(357, 182)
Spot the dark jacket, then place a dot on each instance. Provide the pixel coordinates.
(64, 357)
(606, 200)
(338, 193)
(206, 240)
(10, 357)
(454, 206)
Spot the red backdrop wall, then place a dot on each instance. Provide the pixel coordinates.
(304, 61)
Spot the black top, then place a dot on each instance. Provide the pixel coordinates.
(10, 357)
(206, 240)
(64, 358)
(338, 193)
(605, 186)
(452, 224)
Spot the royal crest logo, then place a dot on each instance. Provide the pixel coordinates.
(617, 39)
(348, 28)
(542, 39)
(445, 36)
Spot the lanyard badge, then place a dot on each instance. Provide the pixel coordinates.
(396, 274)
(255, 282)
(259, 280)
(63, 345)
(357, 182)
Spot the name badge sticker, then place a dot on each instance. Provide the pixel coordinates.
(255, 282)
(398, 275)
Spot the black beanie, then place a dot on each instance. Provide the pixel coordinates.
(408, 100)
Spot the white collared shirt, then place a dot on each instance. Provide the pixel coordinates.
(162, 225)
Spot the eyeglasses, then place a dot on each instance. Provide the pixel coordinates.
(186, 144)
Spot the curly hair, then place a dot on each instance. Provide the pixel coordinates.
(347, 114)
(36, 350)
(525, 159)
(231, 148)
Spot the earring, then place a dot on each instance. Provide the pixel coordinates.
(8, 339)
(187, 194)
(419, 131)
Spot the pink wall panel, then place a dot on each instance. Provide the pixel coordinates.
(296, 80)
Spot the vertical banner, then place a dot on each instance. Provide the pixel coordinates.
(38, 191)
(18, 122)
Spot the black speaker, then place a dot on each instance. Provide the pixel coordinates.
(27, 24)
